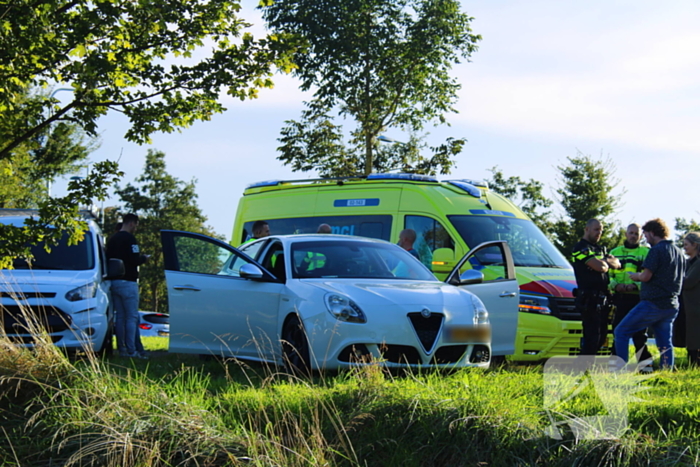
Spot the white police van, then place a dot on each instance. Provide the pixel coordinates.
(63, 294)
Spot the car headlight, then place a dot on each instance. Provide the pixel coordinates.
(344, 309)
(534, 304)
(82, 293)
(481, 315)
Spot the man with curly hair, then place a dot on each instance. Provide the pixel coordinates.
(661, 279)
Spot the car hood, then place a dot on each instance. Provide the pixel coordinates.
(431, 294)
(37, 277)
(547, 281)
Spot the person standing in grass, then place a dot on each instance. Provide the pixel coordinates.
(661, 278)
(625, 291)
(691, 297)
(591, 265)
(125, 292)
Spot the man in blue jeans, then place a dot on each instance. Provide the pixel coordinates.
(125, 292)
(661, 279)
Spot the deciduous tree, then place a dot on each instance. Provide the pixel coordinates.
(28, 171)
(682, 227)
(586, 192)
(162, 63)
(384, 64)
(527, 195)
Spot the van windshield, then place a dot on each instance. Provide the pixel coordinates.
(529, 246)
(77, 257)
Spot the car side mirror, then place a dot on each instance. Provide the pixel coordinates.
(251, 271)
(115, 269)
(471, 276)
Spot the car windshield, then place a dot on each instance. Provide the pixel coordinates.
(529, 246)
(355, 259)
(77, 257)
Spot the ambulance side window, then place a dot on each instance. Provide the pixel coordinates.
(366, 225)
(430, 235)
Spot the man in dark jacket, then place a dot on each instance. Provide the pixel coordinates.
(125, 291)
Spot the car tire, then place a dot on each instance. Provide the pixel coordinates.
(295, 347)
(497, 361)
(107, 347)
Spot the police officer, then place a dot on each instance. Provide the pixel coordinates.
(625, 291)
(591, 265)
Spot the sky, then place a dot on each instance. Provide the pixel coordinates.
(613, 79)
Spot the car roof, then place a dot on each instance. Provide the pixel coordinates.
(289, 239)
(18, 221)
(13, 220)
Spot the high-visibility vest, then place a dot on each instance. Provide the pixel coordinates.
(631, 260)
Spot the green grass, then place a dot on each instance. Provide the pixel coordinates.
(181, 410)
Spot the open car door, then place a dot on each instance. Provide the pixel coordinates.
(489, 273)
(221, 302)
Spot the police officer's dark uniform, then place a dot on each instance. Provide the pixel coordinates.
(593, 299)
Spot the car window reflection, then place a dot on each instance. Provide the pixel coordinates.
(349, 259)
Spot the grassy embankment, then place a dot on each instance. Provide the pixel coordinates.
(180, 410)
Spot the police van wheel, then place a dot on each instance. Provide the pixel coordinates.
(295, 347)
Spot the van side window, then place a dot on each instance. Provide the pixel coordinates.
(373, 226)
(430, 235)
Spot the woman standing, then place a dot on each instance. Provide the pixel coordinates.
(691, 296)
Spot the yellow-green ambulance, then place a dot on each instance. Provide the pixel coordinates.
(450, 218)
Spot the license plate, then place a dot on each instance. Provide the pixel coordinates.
(468, 334)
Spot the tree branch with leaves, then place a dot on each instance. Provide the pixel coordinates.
(148, 60)
(57, 216)
(162, 63)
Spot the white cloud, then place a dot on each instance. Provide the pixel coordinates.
(646, 95)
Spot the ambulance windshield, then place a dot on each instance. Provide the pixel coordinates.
(529, 246)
